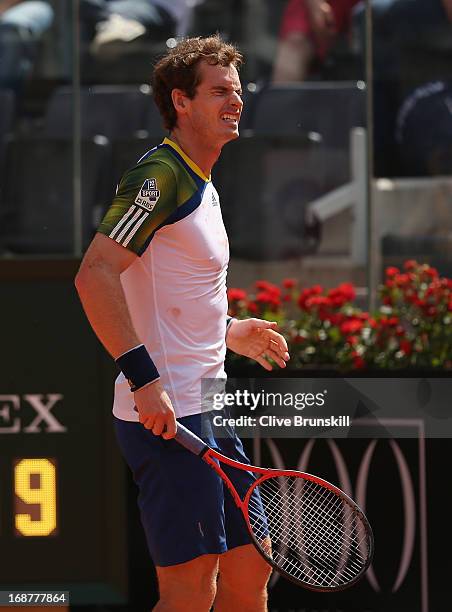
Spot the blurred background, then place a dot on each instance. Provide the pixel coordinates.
(344, 161)
(343, 168)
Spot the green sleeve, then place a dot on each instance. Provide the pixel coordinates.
(146, 197)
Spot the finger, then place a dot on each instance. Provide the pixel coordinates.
(171, 428)
(275, 357)
(147, 422)
(279, 339)
(141, 418)
(264, 363)
(279, 350)
(147, 419)
(158, 426)
(262, 324)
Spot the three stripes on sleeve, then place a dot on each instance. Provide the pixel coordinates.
(128, 225)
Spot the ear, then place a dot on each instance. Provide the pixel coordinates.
(180, 101)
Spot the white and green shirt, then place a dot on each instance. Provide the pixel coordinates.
(168, 212)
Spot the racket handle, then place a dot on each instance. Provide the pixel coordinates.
(190, 440)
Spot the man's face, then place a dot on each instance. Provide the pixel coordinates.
(215, 110)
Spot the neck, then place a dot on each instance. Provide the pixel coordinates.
(203, 154)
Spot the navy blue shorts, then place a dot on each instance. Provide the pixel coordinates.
(185, 508)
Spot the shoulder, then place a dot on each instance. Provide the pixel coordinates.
(148, 173)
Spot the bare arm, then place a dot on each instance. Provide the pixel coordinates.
(293, 58)
(321, 18)
(99, 287)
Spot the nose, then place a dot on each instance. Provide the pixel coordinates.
(236, 100)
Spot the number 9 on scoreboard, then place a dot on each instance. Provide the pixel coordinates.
(35, 512)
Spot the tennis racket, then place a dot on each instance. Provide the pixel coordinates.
(307, 529)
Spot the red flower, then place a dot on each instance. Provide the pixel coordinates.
(348, 290)
(302, 298)
(336, 318)
(406, 347)
(410, 296)
(252, 307)
(262, 284)
(352, 340)
(345, 292)
(337, 300)
(324, 315)
(358, 361)
(389, 321)
(268, 298)
(236, 295)
(392, 271)
(410, 264)
(289, 283)
(433, 289)
(298, 339)
(268, 287)
(432, 272)
(318, 300)
(351, 326)
(307, 293)
(401, 279)
(316, 289)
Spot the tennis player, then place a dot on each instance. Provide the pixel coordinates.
(153, 285)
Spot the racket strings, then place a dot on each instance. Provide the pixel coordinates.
(314, 501)
(309, 531)
(282, 522)
(315, 545)
(335, 512)
(315, 574)
(317, 549)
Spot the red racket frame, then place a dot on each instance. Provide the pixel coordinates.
(209, 456)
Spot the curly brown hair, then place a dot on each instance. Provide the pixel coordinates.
(179, 70)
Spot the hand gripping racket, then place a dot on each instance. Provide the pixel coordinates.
(307, 529)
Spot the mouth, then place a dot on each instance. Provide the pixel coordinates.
(230, 119)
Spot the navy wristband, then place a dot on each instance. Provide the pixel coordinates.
(229, 321)
(138, 367)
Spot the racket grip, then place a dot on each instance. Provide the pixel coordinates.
(189, 440)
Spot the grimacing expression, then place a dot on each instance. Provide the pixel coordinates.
(215, 110)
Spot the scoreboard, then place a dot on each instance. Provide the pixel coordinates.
(62, 481)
